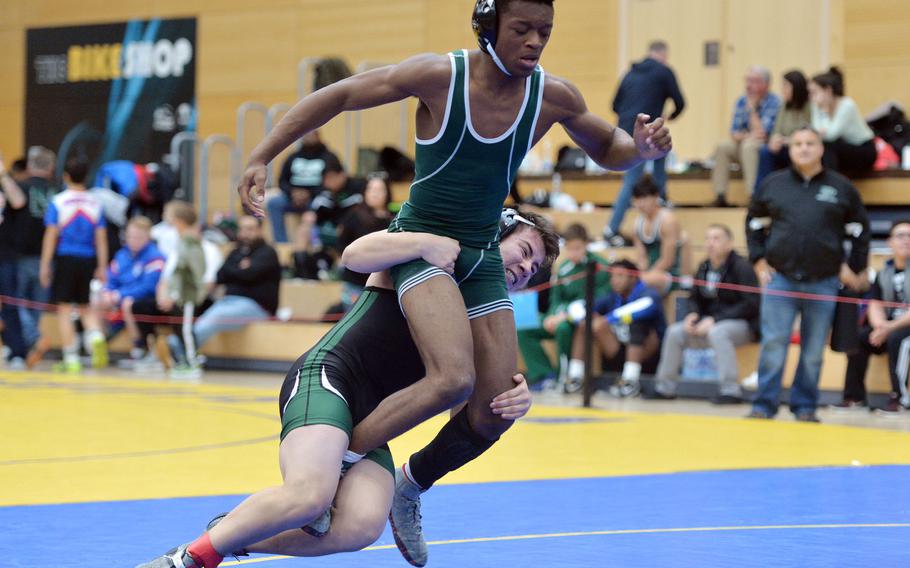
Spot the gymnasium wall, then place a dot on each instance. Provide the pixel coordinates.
(249, 51)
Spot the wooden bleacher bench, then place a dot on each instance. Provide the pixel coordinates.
(879, 188)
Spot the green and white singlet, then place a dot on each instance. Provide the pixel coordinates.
(461, 182)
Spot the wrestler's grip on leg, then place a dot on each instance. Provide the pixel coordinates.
(439, 325)
(515, 402)
(495, 360)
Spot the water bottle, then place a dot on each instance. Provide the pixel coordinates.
(556, 186)
(905, 157)
(95, 288)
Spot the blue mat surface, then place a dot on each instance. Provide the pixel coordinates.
(825, 517)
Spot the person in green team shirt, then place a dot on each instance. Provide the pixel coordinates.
(569, 286)
(479, 113)
(658, 239)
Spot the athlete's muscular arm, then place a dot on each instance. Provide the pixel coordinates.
(382, 250)
(419, 76)
(610, 147)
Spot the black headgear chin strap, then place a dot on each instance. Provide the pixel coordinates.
(485, 22)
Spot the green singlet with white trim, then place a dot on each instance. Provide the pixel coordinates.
(462, 178)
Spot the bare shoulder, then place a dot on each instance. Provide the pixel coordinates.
(669, 222)
(563, 98)
(434, 67)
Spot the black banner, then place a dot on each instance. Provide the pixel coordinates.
(112, 91)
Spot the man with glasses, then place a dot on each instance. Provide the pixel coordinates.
(885, 329)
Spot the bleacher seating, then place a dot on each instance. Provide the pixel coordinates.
(285, 341)
(880, 188)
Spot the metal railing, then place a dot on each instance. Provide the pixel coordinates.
(176, 159)
(242, 111)
(211, 141)
(274, 111)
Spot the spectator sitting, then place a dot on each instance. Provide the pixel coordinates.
(556, 322)
(315, 249)
(775, 155)
(74, 251)
(644, 89)
(658, 238)
(849, 142)
(362, 219)
(131, 280)
(301, 179)
(628, 329)
(802, 252)
(251, 275)
(716, 318)
(753, 118)
(885, 329)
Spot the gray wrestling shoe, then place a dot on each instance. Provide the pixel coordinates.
(320, 526)
(175, 558)
(405, 520)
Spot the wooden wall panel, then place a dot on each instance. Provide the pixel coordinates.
(250, 51)
(877, 51)
(234, 59)
(12, 96)
(685, 27)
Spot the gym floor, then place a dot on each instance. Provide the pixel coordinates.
(102, 469)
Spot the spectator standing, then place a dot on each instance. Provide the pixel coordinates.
(628, 328)
(13, 198)
(885, 329)
(644, 89)
(717, 318)
(800, 251)
(362, 219)
(251, 276)
(182, 287)
(39, 188)
(659, 239)
(556, 323)
(300, 181)
(775, 155)
(849, 142)
(132, 279)
(754, 116)
(73, 253)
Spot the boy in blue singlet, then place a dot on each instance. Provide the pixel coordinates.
(74, 252)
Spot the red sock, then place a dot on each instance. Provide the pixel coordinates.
(204, 553)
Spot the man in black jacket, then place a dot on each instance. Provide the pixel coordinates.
(718, 318)
(645, 88)
(796, 229)
(251, 276)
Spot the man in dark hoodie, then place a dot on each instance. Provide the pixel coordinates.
(645, 88)
(300, 181)
(717, 317)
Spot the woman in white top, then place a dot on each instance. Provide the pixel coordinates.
(849, 145)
